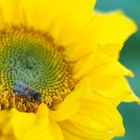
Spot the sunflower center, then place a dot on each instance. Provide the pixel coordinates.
(31, 63)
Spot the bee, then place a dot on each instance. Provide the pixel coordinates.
(21, 89)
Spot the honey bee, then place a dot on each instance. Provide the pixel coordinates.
(21, 89)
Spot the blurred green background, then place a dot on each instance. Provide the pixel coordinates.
(130, 57)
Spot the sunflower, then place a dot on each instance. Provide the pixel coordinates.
(60, 78)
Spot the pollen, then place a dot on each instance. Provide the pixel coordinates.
(32, 57)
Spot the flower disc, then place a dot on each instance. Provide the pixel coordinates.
(31, 57)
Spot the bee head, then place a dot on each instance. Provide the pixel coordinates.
(37, 96)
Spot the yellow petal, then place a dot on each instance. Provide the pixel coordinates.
(109, 37)
(98, 65)
(12, 11)
(106, 76)
(97, 119)
(66, 21)
(85, 44)
(65, 109)
(115, 88)
(108, 79)
(36, 126)
(115, 27)
(74, 20)
(112, 50)
(131, 98)
(112, 30)
(6, 131)
(40, 14)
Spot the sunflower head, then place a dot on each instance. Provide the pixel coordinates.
(60, 78)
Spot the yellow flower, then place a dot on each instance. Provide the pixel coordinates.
(60, 78)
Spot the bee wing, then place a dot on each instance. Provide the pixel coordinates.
(19, 87)
(17, 91)
(20, 83)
